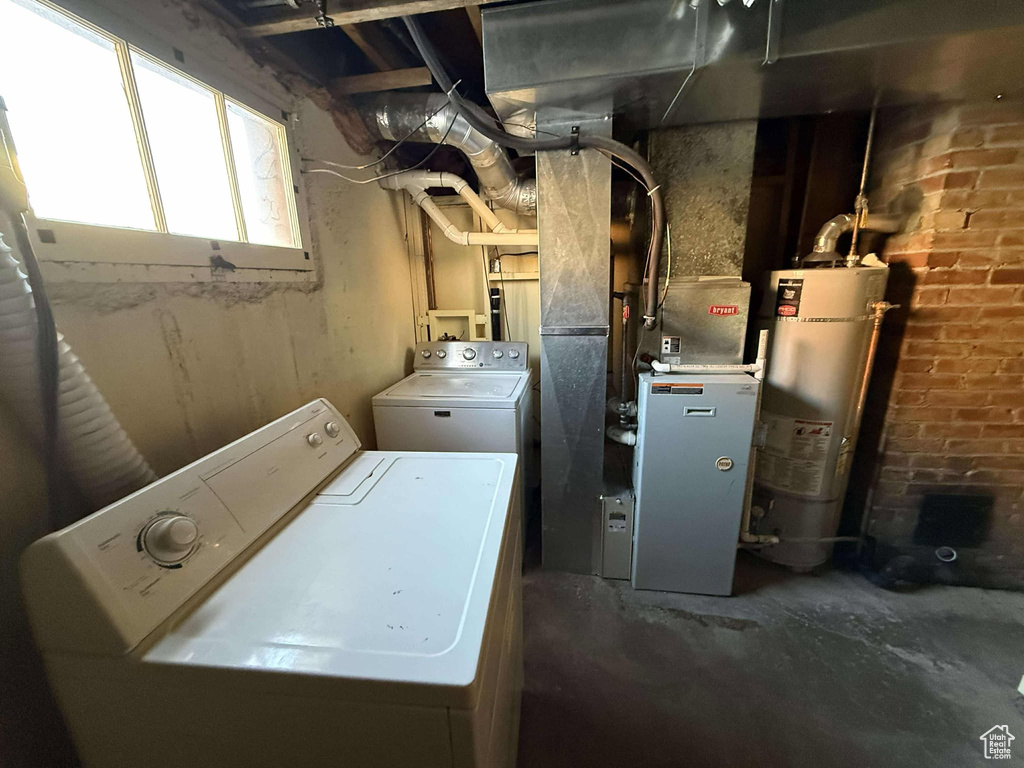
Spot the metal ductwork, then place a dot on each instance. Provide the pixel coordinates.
(673, 62)
(430, 118)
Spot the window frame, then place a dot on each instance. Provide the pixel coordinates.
(90, 252)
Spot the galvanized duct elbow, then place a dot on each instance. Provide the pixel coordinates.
(429, 118)
(827, 237)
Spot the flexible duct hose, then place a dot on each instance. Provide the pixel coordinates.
(97, 454)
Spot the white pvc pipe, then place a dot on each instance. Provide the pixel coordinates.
(757, 368)
(416, 184)
(97, 453)
(622, 435)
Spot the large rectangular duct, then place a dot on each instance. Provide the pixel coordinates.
(672, 62)
(574, 220)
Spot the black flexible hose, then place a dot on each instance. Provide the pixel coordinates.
(485, 124)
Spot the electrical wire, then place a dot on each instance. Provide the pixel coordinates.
(668, 236)
(668, 269)
(373, 179)
(387, 154)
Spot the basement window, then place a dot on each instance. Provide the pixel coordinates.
(129, 160)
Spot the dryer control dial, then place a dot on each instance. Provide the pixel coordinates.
(469, 353)
(170, 538)
(497, 354)
(514, 354)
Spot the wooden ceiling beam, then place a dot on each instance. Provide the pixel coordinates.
(375, 46)
(354, 12)
(473, 11)
(380, 81)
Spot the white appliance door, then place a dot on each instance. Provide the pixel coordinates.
(408, 428)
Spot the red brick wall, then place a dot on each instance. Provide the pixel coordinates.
(955, 417)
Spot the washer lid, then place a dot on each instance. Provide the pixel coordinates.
(384, 580)
(468, 390)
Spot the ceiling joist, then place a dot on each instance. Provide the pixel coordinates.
(380, 81)
(354, 12)
(374, 45)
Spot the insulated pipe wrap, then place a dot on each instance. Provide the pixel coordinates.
(99, 456)
(430, 118)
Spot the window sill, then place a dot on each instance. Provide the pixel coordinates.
(75, 252)
(93, 272)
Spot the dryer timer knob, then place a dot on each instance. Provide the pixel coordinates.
(469, 353)
(513, 353)
(171, 538)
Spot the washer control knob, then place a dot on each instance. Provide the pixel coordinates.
(514, 354)
(442, 354)
(469, 353)
(332, 429)
(498, 354)
(314, 439)
(170, 538)
(425, 353)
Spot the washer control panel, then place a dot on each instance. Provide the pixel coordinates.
(125, 569)
(467, 355)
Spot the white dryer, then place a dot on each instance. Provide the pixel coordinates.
(291, 601)
(462, 396)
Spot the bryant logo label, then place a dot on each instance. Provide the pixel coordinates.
(723, 309)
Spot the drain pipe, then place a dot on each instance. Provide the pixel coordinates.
(621, 434)
(432, 118)
(746, 537)
(416, 184)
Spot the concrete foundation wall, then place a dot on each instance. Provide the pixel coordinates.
(190, 367)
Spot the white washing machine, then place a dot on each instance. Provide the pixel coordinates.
(462, 396)
(291, 601)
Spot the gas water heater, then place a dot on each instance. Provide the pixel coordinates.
(823, 325)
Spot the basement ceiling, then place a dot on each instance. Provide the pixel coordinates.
(361, 46)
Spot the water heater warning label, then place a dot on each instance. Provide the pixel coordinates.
(795, 454)
(787, 300)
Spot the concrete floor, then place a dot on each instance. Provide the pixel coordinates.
(793, 671)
